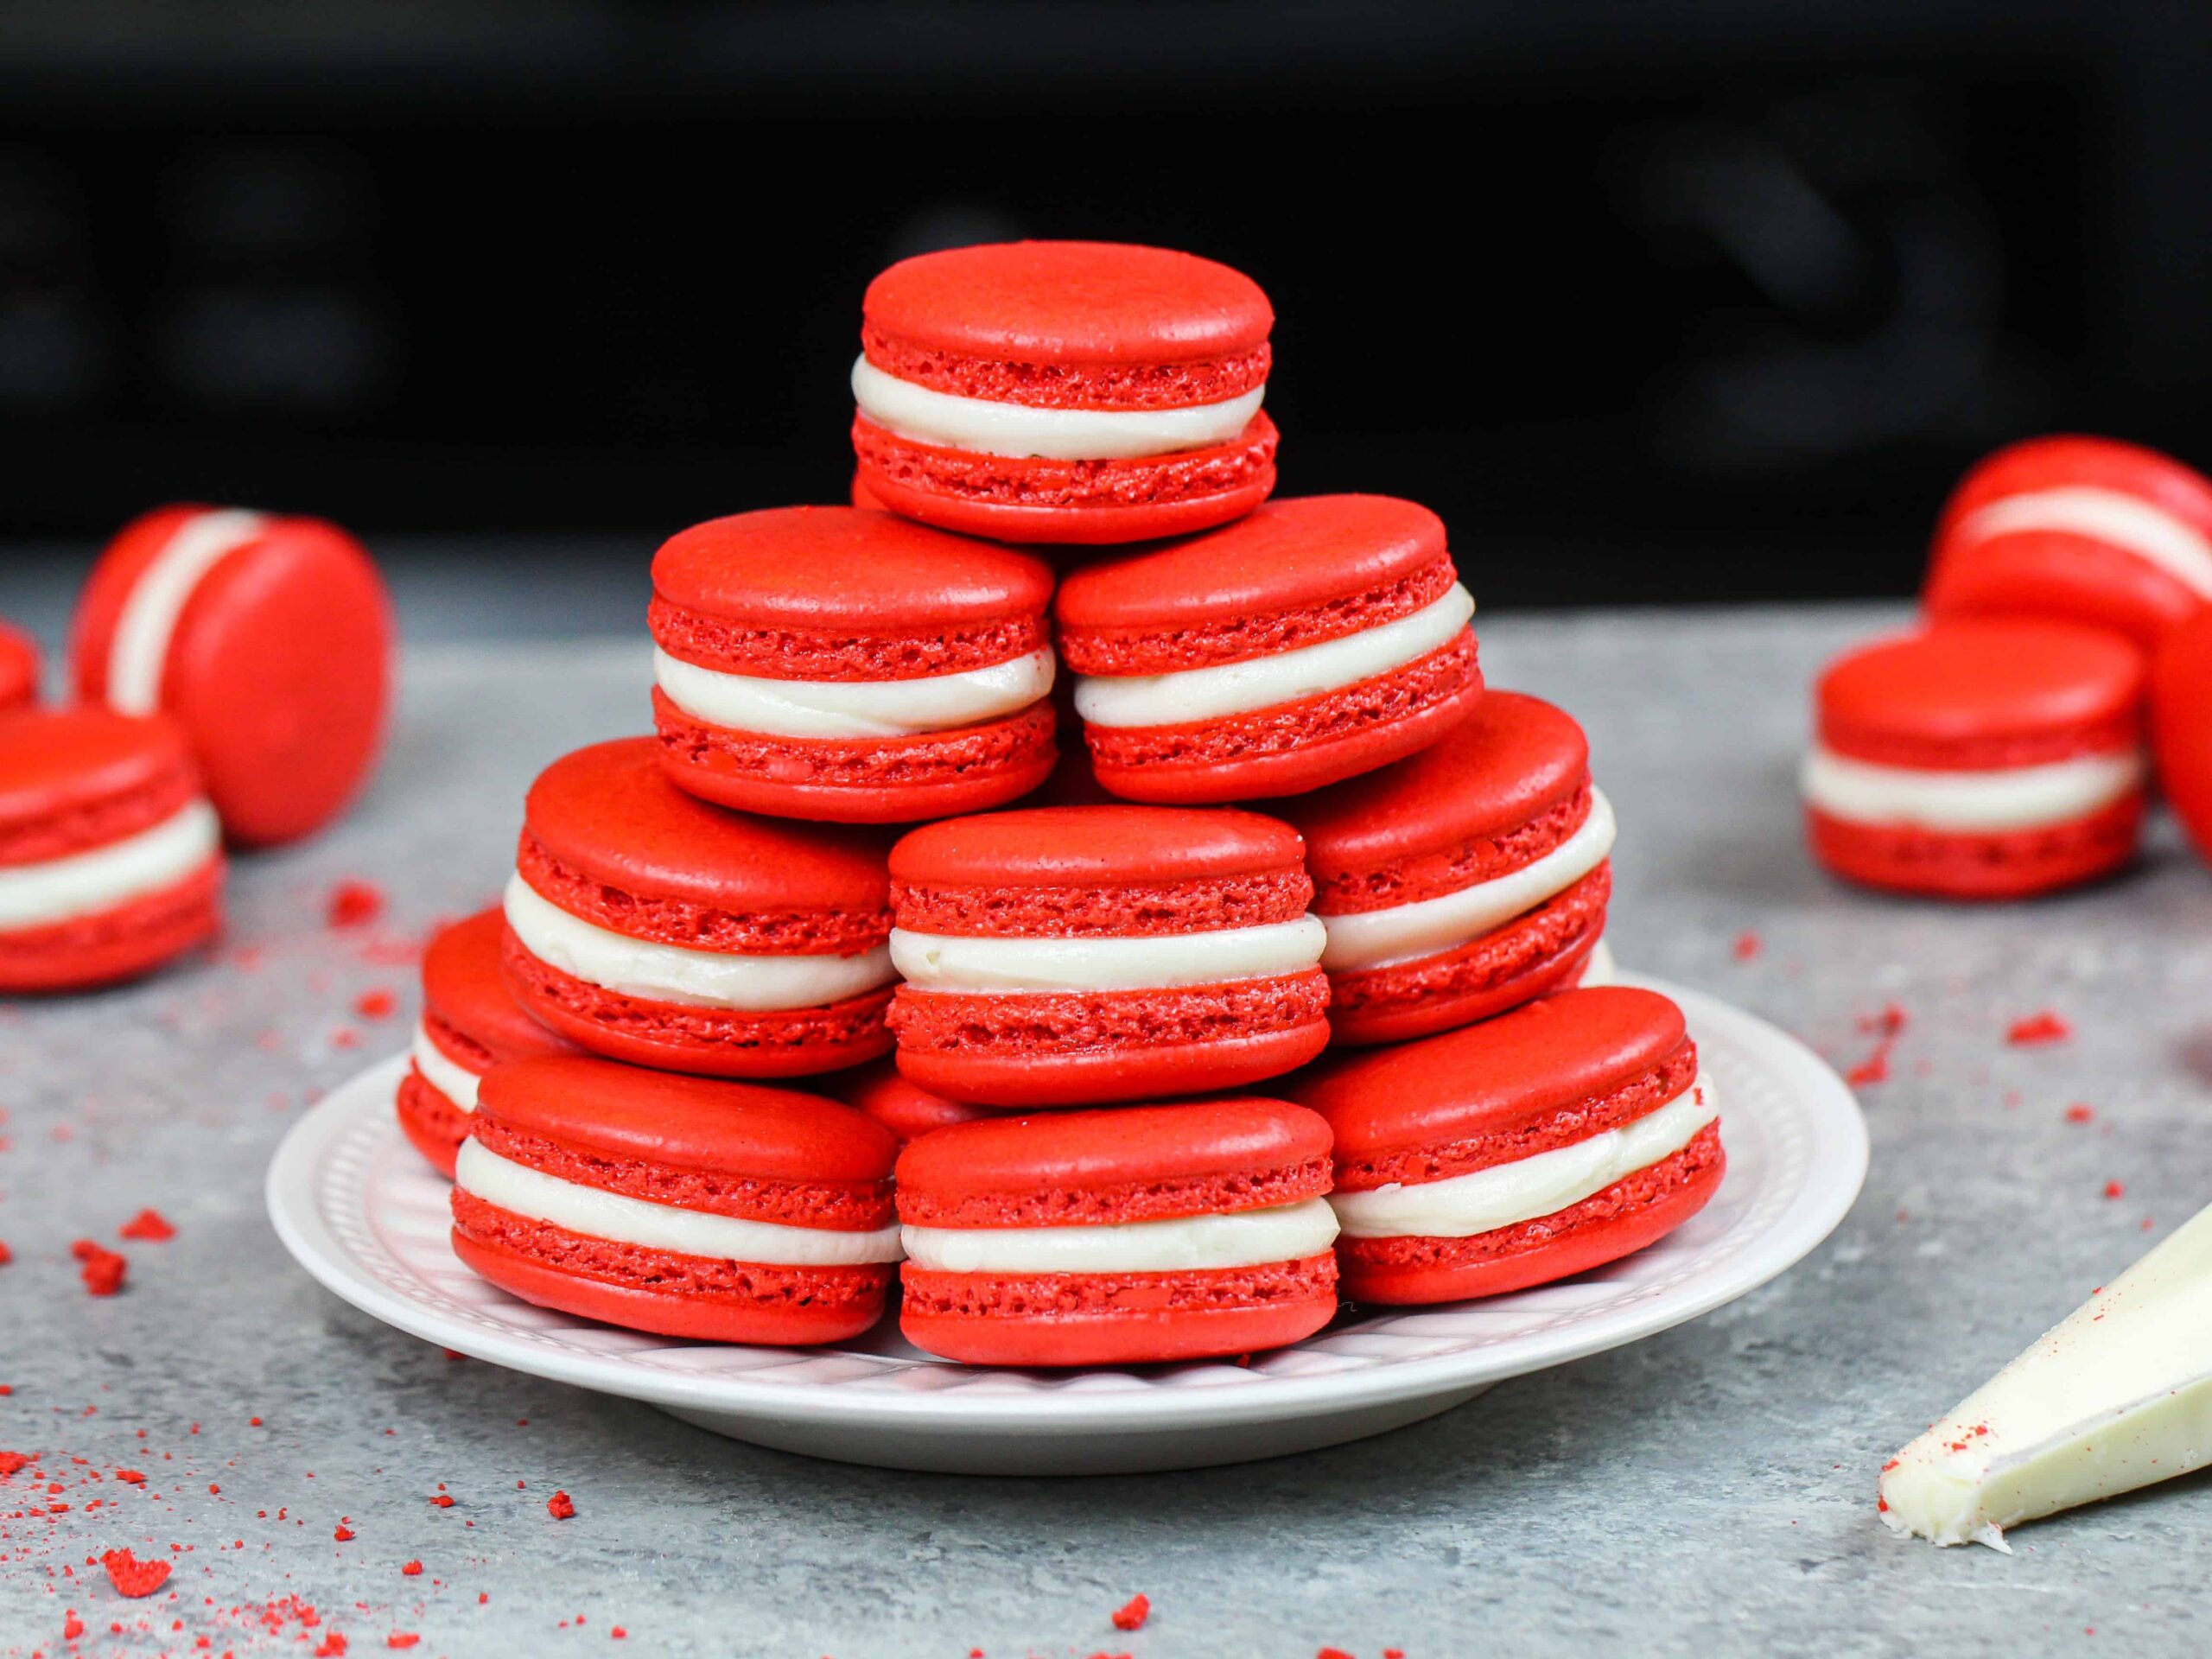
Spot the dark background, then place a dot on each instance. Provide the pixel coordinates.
(1651, 302)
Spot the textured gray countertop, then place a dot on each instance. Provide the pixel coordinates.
(1707, 1492)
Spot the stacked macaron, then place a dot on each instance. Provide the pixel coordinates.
(854, 831)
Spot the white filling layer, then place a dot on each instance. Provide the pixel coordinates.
(600, 1214)
(1503, 1195)
(1243, 1238)
(950, 422)
(1598, 968)
(1376, 939)
(2015, 797)
(670, 973)
(141, 643)
(2117, 1395)
(938, 702)
(442, 1072)
(1263, 682)
(35, 896)
(940, 961)
(2126, 522)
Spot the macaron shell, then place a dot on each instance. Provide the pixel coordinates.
(20, 666)
(2181, 724)
(1136, 519)
(71, 778)
(463, 986)
(2022, 864)
(1104, 846)
(1043, 1080)
(1533, 956)
(107, 947)
(907, 1110)
(434, 1125)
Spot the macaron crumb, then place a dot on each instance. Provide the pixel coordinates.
(1132, 1614)
(150, 1226)
(559, 1506)
(2037, 1028)
(132, 1576)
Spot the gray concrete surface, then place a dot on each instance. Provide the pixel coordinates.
(1708, 1492)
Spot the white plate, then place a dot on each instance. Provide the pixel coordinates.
(364, 1214)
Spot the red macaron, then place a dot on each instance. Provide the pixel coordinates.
(1320, 638)
(1064, 391)
(111, 859)
(2181, 725)
(714, 1211)
(1567, 1134)
(20, 664)
(1462, 881)
(1981, 759)
(2077, 529)
(1112, 1238)
(827, 662)
(268, 639)
(901, 1105)
(646, 925)
(1070, 955)
(471, 1022)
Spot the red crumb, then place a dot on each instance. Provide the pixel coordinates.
(1885, 1027)
(402, 1639)
(375, 1005)
(1132, 1614)
(1393, 1653)
(6, 1254)
(12, 1463)
(2078, 1113)
(618, 1633)
(2044, 1028)
(333, 1647)
(1748, 945)
(344, 1533)
(1333, 1653)
(148, 1224)
(135, 1477)
(71, 1627)
(132, 1576)
(413, 1569)
(354, 902)
(559, 1506)
(2115, 1190)
(442, 1501)
(102, 1270)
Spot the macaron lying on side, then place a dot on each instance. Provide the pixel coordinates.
(715, 1212)
(1106, 1238)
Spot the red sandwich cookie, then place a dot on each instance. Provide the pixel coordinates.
(1069, 956)
(902, 1107)
(471, 1022)
(1064, 391)
(824, 662)
(1112, 1238)
(268, 639)
(19, 669)
(1562, 1135)
(1983, 759)
(2181, 720)
(717, 1211)
(646, 925)
(1317, 638)
(1463, 881)
(111, 859)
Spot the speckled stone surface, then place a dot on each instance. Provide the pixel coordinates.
(1707, 1492)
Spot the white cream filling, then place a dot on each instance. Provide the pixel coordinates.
(2126, 522)
(441, 1071)
(937, 702)
(1377, 938)
(2014, 798)
(1598, 968)
(1460, 1206)
(56, 889)
(1243, 1239)
(670, 973)
(141, 642)
(598, 1213)
(940, 961)
(1227, 689)
(950, 422)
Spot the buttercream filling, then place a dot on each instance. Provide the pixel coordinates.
(674, 972)
(56, 889)
(950, 422)
(140, 646)
(441, 1071)
(2112, 517)
(2012, 798)
(1225, 688)
(941, 962)
(835, 709)
(597, 1214)
(1505, 1195)
(1378, 938)
(1241, 1238)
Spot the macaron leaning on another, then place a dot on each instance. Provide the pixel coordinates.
(2080, 530)
(267, 639)
(1106, 1238)
(1464, 880)
(1980, 758)
(713, 1211)
(645, 925)
(1082, 392)
(1565, 1135)
(1073, 956)
(898, 1102)
(111, 858)
(471, 1022)
(1320, 638)
(827, 662)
